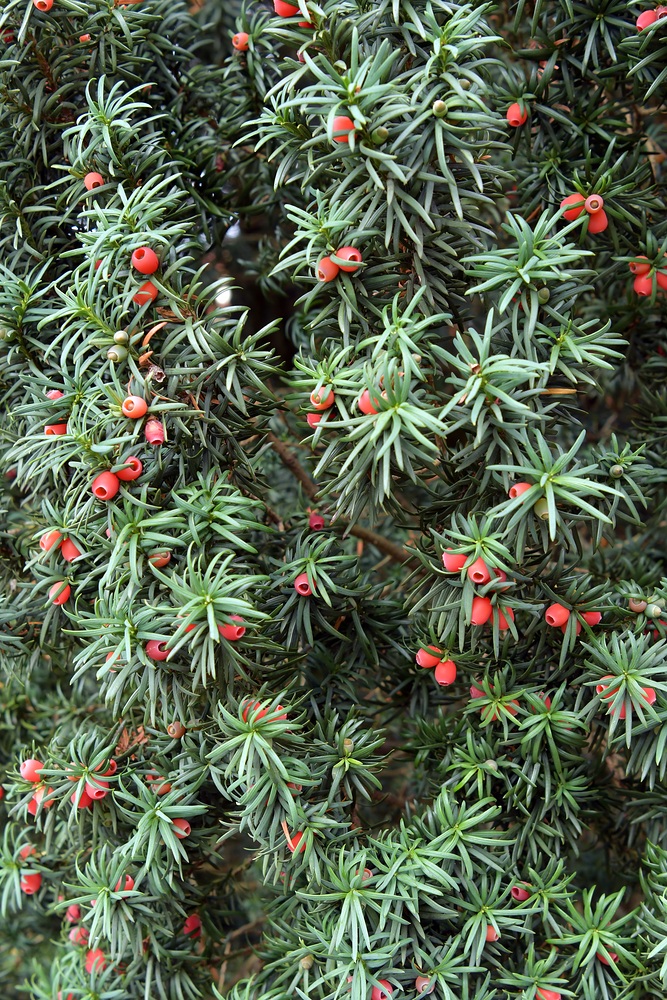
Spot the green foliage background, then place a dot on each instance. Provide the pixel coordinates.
(503, 343)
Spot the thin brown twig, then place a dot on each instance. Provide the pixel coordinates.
(384, 545)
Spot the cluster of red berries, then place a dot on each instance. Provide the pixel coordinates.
(557, 615)
(575, 204)
(445, 670)
(646, 276)
(347, 259)
(609, 691)
(158, 649)
(649, 17)
(106, 485)
(480, 574)
(323, 399)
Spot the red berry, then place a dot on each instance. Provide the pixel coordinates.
(51, 540)
(322, 398)
(643, 284)
(515, 116)
(31, 884)
(154, 432)
(232, 632)
(592, 618)
(97, 789)
(424, 985)
(145, 260)
(125, 886)
(342, 128)
(240, 41)
(133, 469)
(283, 9)
(518, 489)
(176, 730)
(366, 403)
(383, 991)
(313, 419)
(612, 955)
(105, 486)
(84, 38)
(160, 559)
(445, 673)
(594, 203)
(598, 222)
(55, 430)
(542, 994)
(146, 293)
(54, 394)
(182, 828)
(69, 550)
(519, 893)
(556, 615)
(574, 203)
(73, 913)
(38, 798)
(502, 616)
(476, 692)
(453, 561)
(134, 407)
(429, 657)
(296, 843)
(93, 180)
(302, 586)
(315, 521)
(661, 278)
(192, 926)
(83, 800)
(645, 19)
(640, 265)
(27, 851)
(479, 571)
(481, 610)
(649, 695)
(491, 933)
(59, 594)
(577, 628)
(95, 960)
(350, 254)
(156, 649)
(79, 935)
(327, 270)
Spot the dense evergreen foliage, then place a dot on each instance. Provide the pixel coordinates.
(333, 465)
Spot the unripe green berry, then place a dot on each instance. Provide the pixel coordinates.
(541, 508)
(307, 962)
(654, 611)
(117, 354)
(492, 764)
(6, 334)
(348, 746)
(543, 296)
(465, 84)
(380, 134)
(616, 471)
(340, 66)
(439, 109)
(121, 337)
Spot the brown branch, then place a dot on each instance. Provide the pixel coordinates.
(389, 548)
(291, 462)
